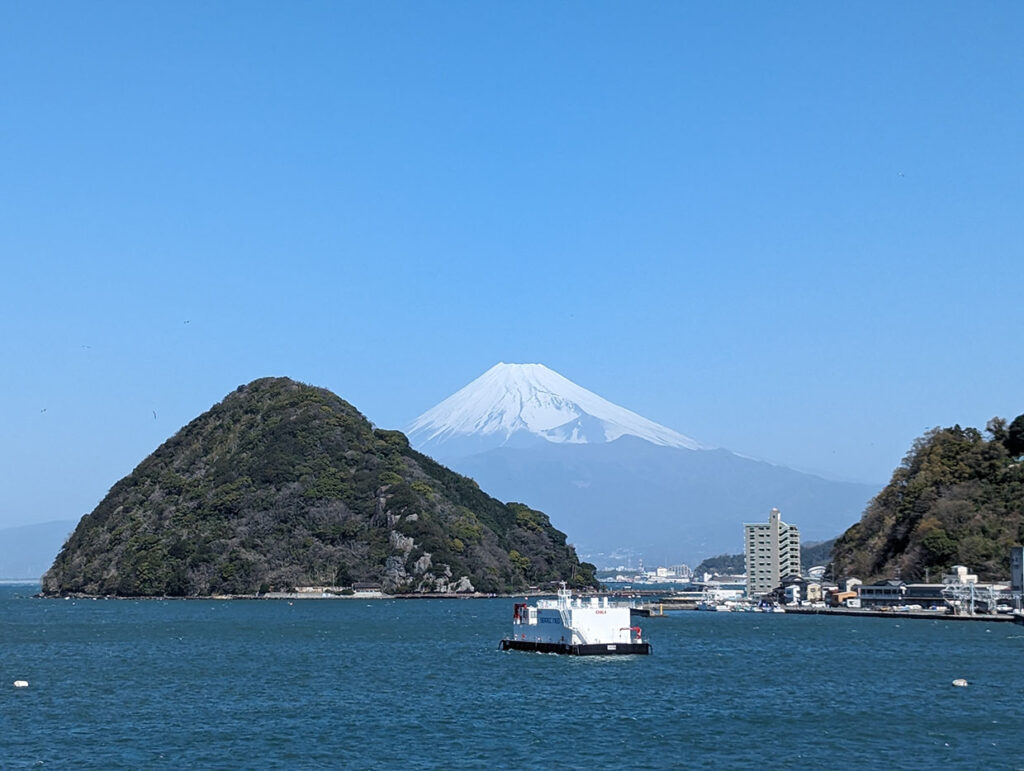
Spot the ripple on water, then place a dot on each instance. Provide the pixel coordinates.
(421, 684)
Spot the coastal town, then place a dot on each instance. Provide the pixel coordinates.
(774, 580)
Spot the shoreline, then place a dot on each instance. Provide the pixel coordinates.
(934, 615)
(290, 596)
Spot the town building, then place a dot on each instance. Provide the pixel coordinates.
(959, 592)
(882, 594)
(772, 551)
(799, 590)
(1017, 570)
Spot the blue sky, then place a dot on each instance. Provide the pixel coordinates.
(793, 231)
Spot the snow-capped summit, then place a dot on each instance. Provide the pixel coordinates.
(526, 403)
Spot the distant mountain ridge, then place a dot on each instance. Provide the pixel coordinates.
(28, 550)
(662, 503)
(614, 481)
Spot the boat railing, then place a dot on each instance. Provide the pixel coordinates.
(564, 610)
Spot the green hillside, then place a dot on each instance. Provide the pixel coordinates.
(811, 554)
(283, 485)
(956, 499)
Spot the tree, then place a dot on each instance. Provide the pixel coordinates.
(1014, 441)
(996, 428)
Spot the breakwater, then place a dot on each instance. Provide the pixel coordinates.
(933, 615)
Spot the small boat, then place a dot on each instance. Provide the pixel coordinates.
(713, 605)
(713, 599)
(575, 627)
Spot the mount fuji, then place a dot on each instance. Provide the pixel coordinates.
(523, 404)
(618, 484)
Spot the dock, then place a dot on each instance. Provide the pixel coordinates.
(660, 607)
(933, 615)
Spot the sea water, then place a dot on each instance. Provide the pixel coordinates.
(410, 684)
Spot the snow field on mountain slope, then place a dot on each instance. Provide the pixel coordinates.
(509, 398)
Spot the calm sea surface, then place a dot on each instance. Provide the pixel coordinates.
(422, 684)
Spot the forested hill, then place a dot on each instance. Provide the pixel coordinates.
(282, 485)
(811, 554)
(956, 499)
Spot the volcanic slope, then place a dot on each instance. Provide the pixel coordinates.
(526, 405)
(619, 484)
(283, 485)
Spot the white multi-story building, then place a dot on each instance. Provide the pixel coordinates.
(772, 551)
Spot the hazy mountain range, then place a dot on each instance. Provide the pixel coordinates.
(621, 486)
(28, 551)
(618, 484)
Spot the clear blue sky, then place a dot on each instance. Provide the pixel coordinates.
(795, 231)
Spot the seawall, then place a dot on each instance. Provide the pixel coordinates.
(934, 615)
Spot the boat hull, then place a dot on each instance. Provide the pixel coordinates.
(599, 649)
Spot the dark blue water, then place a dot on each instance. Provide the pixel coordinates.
(421, 684)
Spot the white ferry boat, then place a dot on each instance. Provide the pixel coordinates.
(575, 626)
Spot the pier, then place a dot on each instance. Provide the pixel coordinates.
(661, 607)
(934, 615)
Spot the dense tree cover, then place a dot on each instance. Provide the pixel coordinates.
(816, 553)
(283, 485)
(811, 554)
(1014, 440)
(722, 565)
(956, 499)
